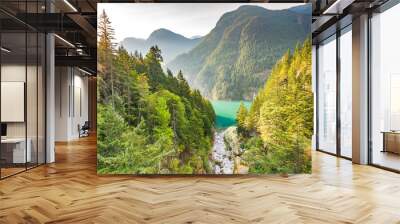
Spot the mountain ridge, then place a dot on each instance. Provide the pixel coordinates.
(170, 43)
(234, 59)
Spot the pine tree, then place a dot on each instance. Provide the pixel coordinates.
(169, 73)
(153, 67)
(184, 88)
(105, 56)
(163, 126)
(282, 115)
(241, 116)
(105, 36)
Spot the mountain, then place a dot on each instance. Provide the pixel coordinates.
(196, 37)
(170, 43)
(302, 9)
(233, 60)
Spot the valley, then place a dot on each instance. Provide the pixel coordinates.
(235, 101)
(225, 152)
(234, 60)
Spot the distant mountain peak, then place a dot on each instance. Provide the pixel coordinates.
(163, 33)
(162, 30)
(251, 7)
(131, 39)
(243, 11)
(170, 43)
(196, 37)
(302, 9)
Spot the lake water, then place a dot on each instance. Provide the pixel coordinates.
(226, 112)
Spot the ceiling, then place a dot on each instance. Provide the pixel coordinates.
(75, 21)
(331, 15)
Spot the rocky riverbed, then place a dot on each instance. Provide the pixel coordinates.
(226, 153)
(223, 163)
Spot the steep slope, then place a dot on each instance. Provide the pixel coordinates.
(234, 59)
(302, 9)
(170, 43)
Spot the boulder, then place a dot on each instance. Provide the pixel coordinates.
(231, 139)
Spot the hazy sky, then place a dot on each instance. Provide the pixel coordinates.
(188, 19)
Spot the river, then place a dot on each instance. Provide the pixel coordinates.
(225, 111)
(223, 162)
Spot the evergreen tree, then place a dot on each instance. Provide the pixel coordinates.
(105, 56)
(169, 73)
(105, 36)
(152, 122)
(149, 121)
(241, 116)
(184, 88)
(281, 117)
(153, 67)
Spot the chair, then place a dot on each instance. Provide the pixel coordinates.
(84, 130)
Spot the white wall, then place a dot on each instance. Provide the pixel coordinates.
(62, 82)
(71, 94)
(80, 109)
(17, 73)
(10, 73)
(33, 126)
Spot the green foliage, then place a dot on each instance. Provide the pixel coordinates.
(280, 118)
(149, 122)
(111, 128)
(241, 116)
(105, 54)
(152, 122)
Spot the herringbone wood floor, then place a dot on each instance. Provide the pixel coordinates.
(69, 191)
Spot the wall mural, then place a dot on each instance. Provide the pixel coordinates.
(204, 88)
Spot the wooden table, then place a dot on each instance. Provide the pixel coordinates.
(391, 141)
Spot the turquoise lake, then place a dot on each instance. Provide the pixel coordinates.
(225, 112)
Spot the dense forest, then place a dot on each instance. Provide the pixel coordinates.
(149, 121)
(276, 132)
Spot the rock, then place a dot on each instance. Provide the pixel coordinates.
(231, 139)
(242, 169)
(226, 153)
(223, 164)
(164, 171)
(239, 167)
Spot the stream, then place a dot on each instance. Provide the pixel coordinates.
(223, 160)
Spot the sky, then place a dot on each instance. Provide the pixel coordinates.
(188, 19)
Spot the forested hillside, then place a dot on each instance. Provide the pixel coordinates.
(276, 132)
(172, 44)
(149, 121)
(233, 61)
